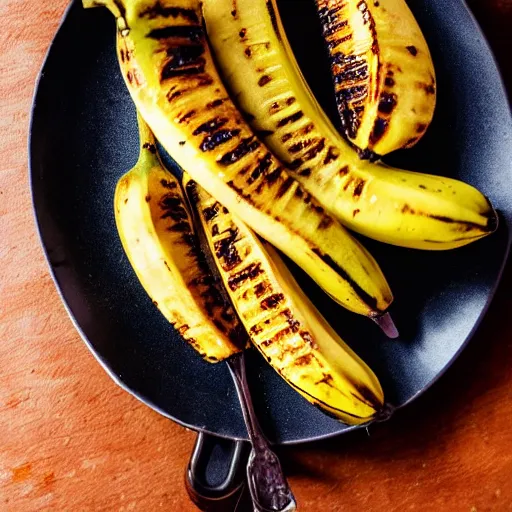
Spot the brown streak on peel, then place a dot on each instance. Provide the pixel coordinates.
(465, 226)
(379, 129)
(273, 18)
(364, 296)
(358, 189)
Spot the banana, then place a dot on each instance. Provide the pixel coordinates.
(282, 323)
(156, 230)
(382, 71)
(390, 205)
(169, 71)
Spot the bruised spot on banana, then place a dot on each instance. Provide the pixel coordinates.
(159, 239)
(175, 85)
(382, 71)
(281, 322)
(387, 204)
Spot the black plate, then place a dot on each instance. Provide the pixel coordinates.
(84, 138)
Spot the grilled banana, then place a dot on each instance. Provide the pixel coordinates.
(382, 71)
(397, 207)
(281, 322)
(158, 237)
(170, 73)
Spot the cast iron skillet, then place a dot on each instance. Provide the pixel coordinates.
(84, 137)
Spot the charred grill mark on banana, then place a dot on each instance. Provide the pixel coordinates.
(158, 10)
(248, 273)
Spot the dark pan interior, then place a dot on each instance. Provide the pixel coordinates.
(84, 138)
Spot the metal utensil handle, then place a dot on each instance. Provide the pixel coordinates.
(268, 486)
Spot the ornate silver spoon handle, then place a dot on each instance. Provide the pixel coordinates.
(267, 484)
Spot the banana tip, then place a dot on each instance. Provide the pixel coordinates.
(385, 322)
(492, 222)
(492, 217)
(385, 413)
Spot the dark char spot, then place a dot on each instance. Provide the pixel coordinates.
(264, 80)
(225, 249)
(287, 183)
(379, 129)
(246, 146)
(248, 273)
(158, 9)
(387, 103)
(272, 301)
(211, 212)
(290, 119)
(193, 34)
(150, 147)
(210, 142)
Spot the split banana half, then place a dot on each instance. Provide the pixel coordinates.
(170, 73)
(159, 238)
(281, 321)
(390, 205)
(382, 71)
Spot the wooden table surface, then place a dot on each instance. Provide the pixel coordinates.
(71, 440)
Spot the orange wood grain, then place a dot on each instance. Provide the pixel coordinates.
(71, 440)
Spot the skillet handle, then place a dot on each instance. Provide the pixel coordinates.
(215, 476)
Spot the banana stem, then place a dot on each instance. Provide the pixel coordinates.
(385, 413)
(147, 143)
(116, 7)
(385, 322)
